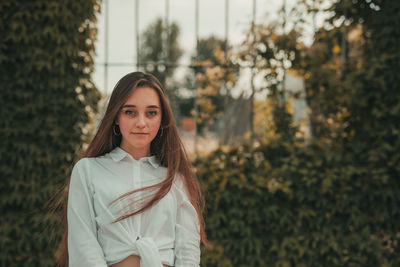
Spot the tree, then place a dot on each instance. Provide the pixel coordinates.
(272, 52)
(372, 130)
(340, 197)
(214, 75)
(159, 55)
(46, 58)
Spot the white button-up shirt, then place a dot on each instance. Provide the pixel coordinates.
(167, 233)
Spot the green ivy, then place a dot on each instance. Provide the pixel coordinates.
(289, 204)
(333, 201)
(46, 58)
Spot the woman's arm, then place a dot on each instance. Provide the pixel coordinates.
(187, 230)
(83, 247)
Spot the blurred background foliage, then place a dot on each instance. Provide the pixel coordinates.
(274, 196)
(331, 200)
(47, 96)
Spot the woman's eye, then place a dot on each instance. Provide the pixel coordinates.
(129, 112)
(152, 112)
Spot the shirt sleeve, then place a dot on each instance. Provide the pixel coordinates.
(83, 247)
(187, 230)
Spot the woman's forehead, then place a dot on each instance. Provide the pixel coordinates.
(143, 97)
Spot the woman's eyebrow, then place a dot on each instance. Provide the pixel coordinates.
(153, 106)
(133, 106)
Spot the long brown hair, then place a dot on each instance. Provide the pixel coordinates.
(166, 146)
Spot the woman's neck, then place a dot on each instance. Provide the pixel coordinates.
(136, 153)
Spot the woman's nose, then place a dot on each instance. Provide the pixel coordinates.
(141, 121)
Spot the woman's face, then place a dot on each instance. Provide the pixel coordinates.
(139, 121)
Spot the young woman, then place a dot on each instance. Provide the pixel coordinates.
(133, 199)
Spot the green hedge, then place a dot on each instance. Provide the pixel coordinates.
(289, 204)
(46, 52)
(327, 203)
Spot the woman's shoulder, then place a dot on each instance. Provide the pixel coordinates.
(81, 166)
(179, 184)
(85, 164)
(178, 180)
(86, 167)
(89, 161)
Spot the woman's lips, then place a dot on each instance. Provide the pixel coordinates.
(140, 133)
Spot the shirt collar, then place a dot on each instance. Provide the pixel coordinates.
(117, 154)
